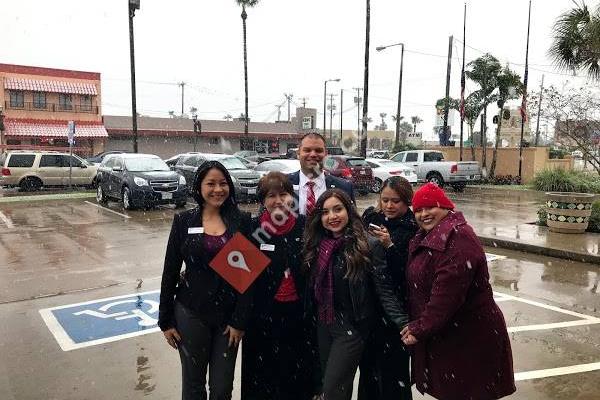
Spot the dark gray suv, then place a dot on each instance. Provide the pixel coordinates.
(245, 180)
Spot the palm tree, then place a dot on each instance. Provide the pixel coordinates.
(363, 141)
(193, 110)
(415, 121)
(244, 4)
(484, 71)
(228, 117)
(576, 44)
(171, 114)
(509, 87)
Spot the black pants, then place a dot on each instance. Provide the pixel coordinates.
(203, 344)
(276, 355)
(384, 368)
(340, 349)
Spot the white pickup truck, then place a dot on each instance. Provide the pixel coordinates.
(430, 166)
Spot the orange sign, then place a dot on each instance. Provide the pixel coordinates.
(239, 262)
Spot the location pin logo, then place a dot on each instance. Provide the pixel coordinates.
(235, 259)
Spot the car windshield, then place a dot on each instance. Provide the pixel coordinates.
(146, 164)
(357, 162)
(232, 163)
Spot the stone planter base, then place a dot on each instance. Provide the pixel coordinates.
(568, 212)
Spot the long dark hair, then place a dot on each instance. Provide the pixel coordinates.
(229, 208)
(356, 247)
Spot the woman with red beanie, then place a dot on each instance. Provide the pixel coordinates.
(460, 345)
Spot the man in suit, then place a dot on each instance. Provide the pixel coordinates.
(311, 181)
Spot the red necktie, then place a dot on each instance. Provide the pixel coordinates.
(310, 198)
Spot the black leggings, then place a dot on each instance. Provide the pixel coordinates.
(340, 348)
(202, 345)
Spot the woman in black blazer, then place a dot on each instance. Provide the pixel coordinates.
(278, 352)
(200, 314)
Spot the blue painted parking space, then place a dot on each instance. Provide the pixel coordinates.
(104, 320)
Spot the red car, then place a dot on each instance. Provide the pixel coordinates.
(354, 169)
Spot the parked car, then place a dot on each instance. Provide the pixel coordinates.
(32, 170)
(139, 180)
(249, 155)
(172, 161)
(245, 180)
(378, 154)
(247, 163)
(431, 167)
(384, 169)
(97, 159)
(285, 166)
(355, 169)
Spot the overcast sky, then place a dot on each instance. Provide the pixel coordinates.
(293, 46)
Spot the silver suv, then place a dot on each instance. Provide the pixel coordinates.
(32, 170)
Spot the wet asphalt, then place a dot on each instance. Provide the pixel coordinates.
(57, 253)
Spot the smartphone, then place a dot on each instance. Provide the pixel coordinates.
(373, 226)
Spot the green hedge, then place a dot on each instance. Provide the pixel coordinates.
(559, 180)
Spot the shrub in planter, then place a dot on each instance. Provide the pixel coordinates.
(559, 180)
(542, 216)
(594, 225)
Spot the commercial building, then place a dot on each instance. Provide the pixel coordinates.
(38, 103)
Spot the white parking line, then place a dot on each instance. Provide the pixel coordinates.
(107, 209)
(545, 373)
(555, 325)
(7, 221)
(546, 306)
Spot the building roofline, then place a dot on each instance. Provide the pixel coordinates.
(43, 71)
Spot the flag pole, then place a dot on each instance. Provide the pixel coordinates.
(462, 86)
(524, 102)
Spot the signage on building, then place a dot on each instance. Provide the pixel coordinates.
(71, 132)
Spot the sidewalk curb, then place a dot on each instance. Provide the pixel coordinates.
(45, 197)
(494, 241)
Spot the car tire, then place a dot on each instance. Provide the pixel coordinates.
(30, 184)
(126, 196)
(377, 185)
(100, 196)
(436, 178)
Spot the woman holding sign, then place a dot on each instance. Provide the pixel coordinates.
(277, 351)
(348, 282)
(200, 314)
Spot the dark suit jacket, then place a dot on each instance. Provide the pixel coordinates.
(330, 183)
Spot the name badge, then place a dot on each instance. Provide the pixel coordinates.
(194, 231)
(267, 247)
(296, 187)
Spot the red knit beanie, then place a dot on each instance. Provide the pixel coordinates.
(431, 195)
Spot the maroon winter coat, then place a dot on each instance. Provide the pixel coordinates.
(463, 351)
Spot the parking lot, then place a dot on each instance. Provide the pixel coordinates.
(78, 297)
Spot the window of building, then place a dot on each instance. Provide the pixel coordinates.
(39, 100)
(65, 101)
(213, 140)
(86, 102)
(17, 99)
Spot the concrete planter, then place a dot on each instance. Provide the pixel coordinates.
(568, 212)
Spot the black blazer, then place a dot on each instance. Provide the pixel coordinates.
(200, 288)
(330, 182)
(287, 254)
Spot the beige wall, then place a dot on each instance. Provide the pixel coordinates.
(535, 159)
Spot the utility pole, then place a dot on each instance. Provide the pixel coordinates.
(182, 84)
(288, 97)
(537, 125)
(303, 100)
(357, 101)
(446, 101)
(331, 108)
(341, 114)
(524, 102)
(462, 86)
(133, 5)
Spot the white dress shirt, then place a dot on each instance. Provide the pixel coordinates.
(319, 188)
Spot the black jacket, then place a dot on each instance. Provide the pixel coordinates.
(371, 292)
(287, 254)
(330, 183)
(200, 289)
(401, 230)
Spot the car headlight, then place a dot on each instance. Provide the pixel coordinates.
(182, 180)
(140, 181)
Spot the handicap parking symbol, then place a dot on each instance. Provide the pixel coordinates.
(104, 320)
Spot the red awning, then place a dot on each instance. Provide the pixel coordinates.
(50, 86)
(51, 129)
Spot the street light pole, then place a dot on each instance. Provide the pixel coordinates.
(325, 104)
(196, 123)
(133, 5)
(398, 110)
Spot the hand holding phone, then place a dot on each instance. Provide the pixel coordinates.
(374, 227)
